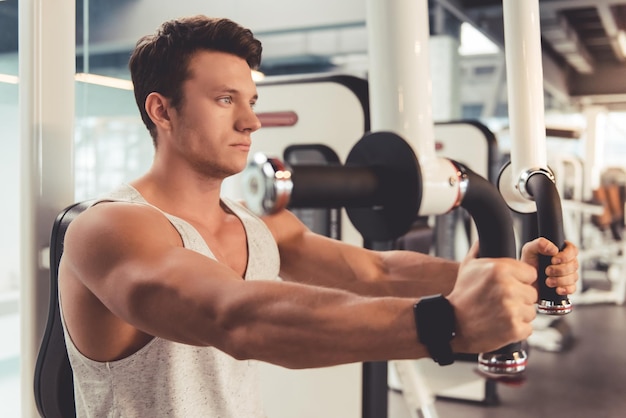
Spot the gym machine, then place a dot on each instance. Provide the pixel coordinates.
(271, 184)
(381, 160)
(380, 189)
(304, 131)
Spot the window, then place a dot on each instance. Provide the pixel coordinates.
(9, 214)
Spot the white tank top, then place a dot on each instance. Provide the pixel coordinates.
(168, 379)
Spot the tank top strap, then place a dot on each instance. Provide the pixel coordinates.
(190, 236)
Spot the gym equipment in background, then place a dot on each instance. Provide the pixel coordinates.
(596, 226)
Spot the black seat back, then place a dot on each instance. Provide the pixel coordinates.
(54, 384)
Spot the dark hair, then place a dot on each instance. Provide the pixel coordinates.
(160, 62)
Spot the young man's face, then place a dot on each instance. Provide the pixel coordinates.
(212, 128)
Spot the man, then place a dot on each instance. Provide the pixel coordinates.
(167, 289)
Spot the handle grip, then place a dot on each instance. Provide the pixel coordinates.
(497, 239)
(550, 225)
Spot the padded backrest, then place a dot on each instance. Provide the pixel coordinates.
(54, 385)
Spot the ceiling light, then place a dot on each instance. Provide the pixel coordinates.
(473, 42)
(10, 79)
(257, 75)
(101, 80)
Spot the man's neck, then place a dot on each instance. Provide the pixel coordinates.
(193, 199)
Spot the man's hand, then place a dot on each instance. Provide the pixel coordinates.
(563, 271)
(494, 302)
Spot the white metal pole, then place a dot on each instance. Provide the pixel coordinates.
(522, 35)
(525, 84)
(524, 69)
(401, 94)
(525, 89)
(399, 72)
(46, 95)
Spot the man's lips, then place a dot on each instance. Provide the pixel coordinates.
(242, 146)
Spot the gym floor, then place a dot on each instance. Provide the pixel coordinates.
(587, 380)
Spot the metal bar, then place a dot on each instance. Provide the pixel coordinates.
(525, 85)
(401, 91)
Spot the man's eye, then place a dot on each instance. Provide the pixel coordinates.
(227, 99)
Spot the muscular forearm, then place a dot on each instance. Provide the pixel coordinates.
(303, 327)
(404, 273)
(333, 264)
(416, 274)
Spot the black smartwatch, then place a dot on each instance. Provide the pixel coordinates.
(434, 318)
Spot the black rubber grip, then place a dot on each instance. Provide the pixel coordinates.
(549, 225)
(494, 223)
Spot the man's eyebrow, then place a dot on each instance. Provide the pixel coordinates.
(227, 89)
(234, 91)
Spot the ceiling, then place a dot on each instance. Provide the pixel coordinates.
(583, 33)
(582, 36)
(581, 39)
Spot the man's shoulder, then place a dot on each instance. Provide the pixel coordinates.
(114, 208)
(107, 218)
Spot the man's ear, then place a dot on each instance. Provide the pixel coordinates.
(157, 108)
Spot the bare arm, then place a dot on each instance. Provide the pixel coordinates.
(307, 257)
(310, 258)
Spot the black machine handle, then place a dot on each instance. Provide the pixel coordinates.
(379, 186)
(334, 186)
(493, 221)
(550, 225)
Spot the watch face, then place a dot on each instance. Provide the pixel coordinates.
(434, 318)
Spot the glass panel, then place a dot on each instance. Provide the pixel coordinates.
(109, 150)
(9, 212)
(111, 143)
